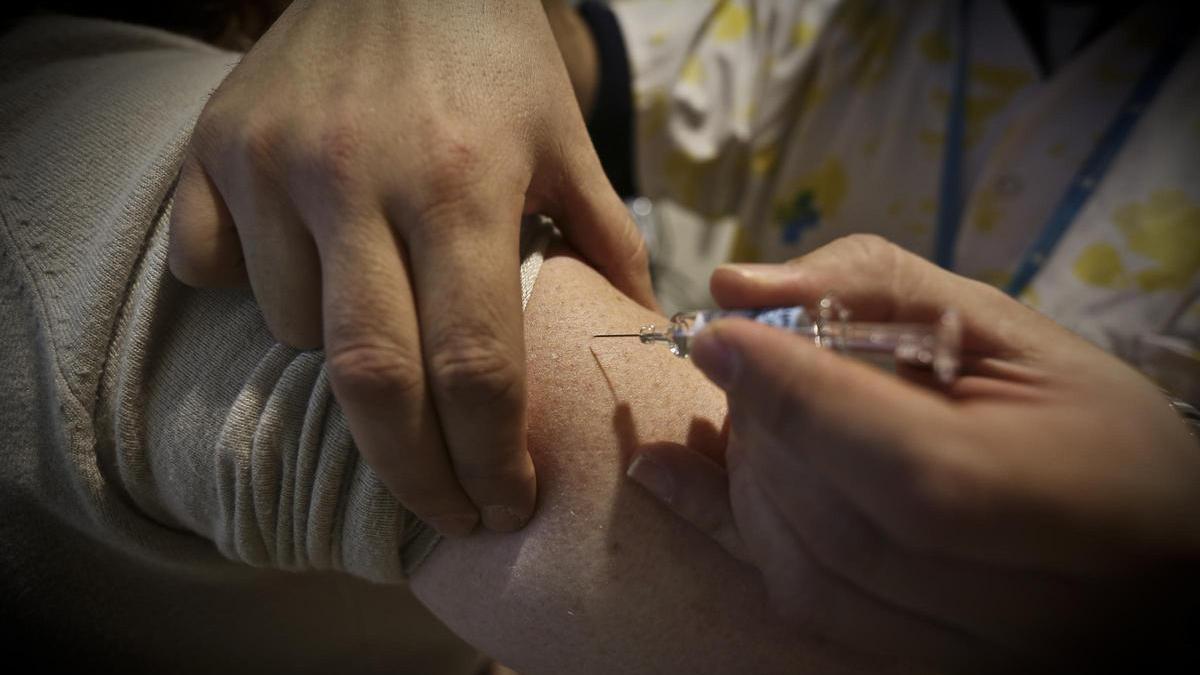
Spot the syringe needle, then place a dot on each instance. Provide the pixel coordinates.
(636, 335)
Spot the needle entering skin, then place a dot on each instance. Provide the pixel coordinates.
(603, 372)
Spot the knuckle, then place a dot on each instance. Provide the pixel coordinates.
(869, 246)
(340, 150)
(474, 367)
(455, 167)
(455, 159)
(216, 122)
(260, 141)
(872, 250)
(371, 370)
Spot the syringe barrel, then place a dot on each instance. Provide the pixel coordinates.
(685, 325)
(933, 345)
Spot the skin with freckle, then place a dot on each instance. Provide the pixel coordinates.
(604, 579)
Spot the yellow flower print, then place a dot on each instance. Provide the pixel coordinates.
(1166, 229)
(685, 175)
(986, 213)
(1030, 297)
(657, 107)
(814, 197)
(875, 33)
(992, 89)
(690, 181)
(730, 22)
(748, 113)
(802, 34)
(979, 110)
(744, 248)
(693, 70)
(1099, 265)
(764, 159)
(995, 277)
(829, 184)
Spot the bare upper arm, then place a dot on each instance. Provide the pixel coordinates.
(603, 578)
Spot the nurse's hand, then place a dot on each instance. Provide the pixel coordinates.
(1032, 503)
(366, 167)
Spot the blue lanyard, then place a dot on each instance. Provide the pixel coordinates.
(1082, 185)
(950, 189)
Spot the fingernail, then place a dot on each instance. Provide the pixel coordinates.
(654, 477)
(719, 361)
(454, 525)
(499, 518)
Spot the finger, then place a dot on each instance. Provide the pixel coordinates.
(204, 247)
(891, 447)
(691, 485)
(284, 269)
(373, 353)
(879, 281)
(594, 220)
(280, 257)
(469, 300)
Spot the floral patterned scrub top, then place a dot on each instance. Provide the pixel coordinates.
(774, 127)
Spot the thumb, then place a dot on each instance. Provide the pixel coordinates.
(594, 220)
(204, 247)
(880, 281)
(799, 407)
(691, 485)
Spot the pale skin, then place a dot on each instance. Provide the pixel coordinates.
(1017, 518)
(384, 225)
(977, 486)
(603, 579)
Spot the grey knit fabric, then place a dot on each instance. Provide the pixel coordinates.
(154, 422)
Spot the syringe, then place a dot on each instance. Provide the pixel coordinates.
(936, 345)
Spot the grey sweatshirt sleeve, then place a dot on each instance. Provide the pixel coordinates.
(177, 427)
(220, 431)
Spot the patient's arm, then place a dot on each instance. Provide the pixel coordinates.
(604, 579)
